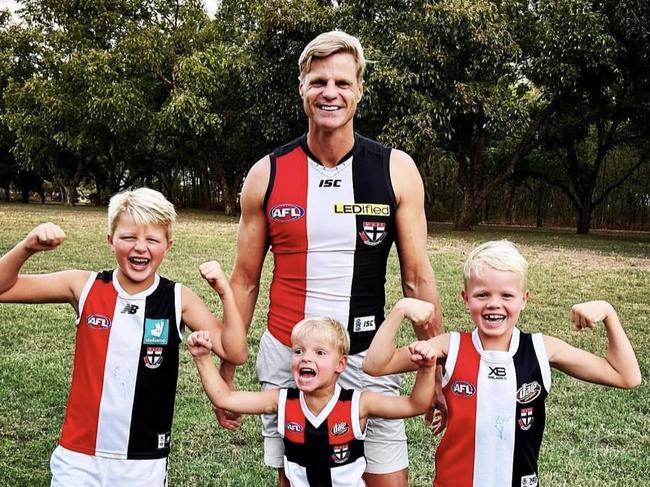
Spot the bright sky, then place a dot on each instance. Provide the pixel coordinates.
(210, 5)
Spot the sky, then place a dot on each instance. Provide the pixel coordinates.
(210, 5)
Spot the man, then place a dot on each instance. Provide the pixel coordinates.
(330, 205)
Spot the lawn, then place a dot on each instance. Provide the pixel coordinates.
(594, 435)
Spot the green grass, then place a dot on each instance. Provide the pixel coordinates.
(594, 435)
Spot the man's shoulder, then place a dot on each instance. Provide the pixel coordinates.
(288, 147)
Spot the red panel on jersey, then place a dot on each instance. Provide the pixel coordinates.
(294, 421)
(79, 431)
(286, 215)
(339, 423)
(457, 443)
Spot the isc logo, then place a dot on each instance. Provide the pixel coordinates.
(329, 183)
(286, 212)
(98, 321)
(463, 388)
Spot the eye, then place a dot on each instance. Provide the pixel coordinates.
(297, 351)
(321, 353)
(153, 240)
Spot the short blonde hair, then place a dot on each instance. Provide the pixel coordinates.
(145, 206)
(502, 255)
(329, 327)
(329, 43)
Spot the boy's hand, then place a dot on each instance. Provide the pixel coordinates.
(46, 236)
(422, 354)
(586, 315)
(199, 343)
(421, 313)
(213, 273)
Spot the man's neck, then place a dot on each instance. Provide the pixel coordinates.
(330, 147)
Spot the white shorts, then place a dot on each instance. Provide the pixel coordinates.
(73, 469)
(385, 444)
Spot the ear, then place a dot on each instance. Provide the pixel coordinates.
(463, 293)
(300, 89)
(343, 363)
(109, 241)
(362, 84)
(169, 246)
(525, 300)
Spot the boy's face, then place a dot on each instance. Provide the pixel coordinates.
(139, 250)
(315, 362)
(494, 301)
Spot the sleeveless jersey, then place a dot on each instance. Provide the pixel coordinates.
(324, 450)
(330, 231)
(121, 401)
(496, 410)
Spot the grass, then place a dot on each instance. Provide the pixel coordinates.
(594, 435)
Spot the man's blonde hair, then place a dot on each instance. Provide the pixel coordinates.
(329, 43)
(145, 206)
(328, 327)
(502, 255)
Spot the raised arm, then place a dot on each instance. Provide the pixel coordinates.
(378, 405)
(418, 279)
(619, 368)
(382, 357)
(229, 335)
(56, 287)
(219, 393)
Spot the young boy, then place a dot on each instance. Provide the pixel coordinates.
(497, 377)
(130, 323)
(322, 425)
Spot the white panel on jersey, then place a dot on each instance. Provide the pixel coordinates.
(122, 360)
(331, 239)
(495, 414)
(542, 358)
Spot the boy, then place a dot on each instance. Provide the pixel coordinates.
(497, 378)
(322, 425)
(130, 322)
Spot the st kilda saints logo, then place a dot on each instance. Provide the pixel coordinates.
(526, 419)
(153, 358)
(341, 453)
(373, 233)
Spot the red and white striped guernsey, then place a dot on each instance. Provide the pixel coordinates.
(496, 410)
(121, 401)
(324, 450)
(330, 231)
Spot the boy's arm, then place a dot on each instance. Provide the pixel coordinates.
(219, 393)
(382, 357)
(619, 368)
(378, 405)
(229, 335)
(56, 287)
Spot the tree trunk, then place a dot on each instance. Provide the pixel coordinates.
(466, 214)
(584, 216)
(541, 193)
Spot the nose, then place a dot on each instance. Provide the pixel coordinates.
(329, 90)
(140, 246)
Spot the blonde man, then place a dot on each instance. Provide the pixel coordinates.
(329, 205)
(322, 425)
(117, 428)
(498, 377)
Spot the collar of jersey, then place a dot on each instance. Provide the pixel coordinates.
(316, 421)
(346, 159)
(142, 294)
(496, 356)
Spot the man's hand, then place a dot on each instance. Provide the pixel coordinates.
(436, 417)
(46, 236)
(213, 273)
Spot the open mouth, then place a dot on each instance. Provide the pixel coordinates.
(139, 261)
(307, 373)
(329, 108)
(494, 318)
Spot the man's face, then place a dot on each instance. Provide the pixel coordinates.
(330, 92)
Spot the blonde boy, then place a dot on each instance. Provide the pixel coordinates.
(497, 377)
(322, 425)
(130, 323)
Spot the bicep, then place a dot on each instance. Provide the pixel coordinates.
(246, 402)
(197, 316)
(56, 287)
(576, 362)
(378, 405)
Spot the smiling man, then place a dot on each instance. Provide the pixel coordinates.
(330, 205)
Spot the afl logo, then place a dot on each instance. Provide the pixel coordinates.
(98, 321)
(462, 388)
(286, 212)
(295, 427)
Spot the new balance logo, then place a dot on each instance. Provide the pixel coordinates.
(130, 309)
